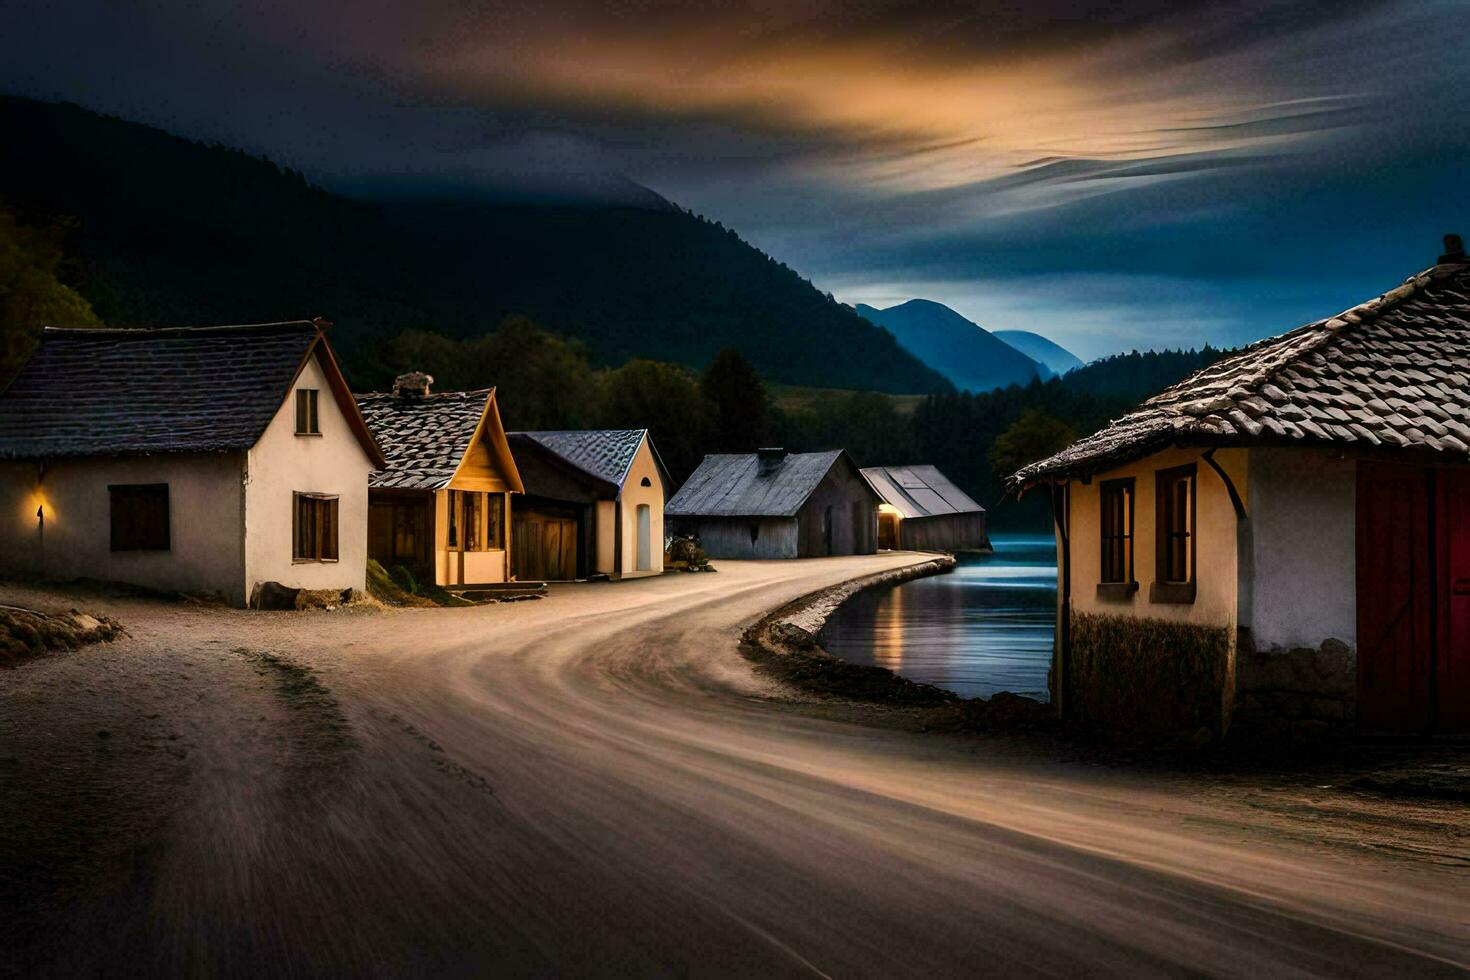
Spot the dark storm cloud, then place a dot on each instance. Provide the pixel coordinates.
(1117, 173)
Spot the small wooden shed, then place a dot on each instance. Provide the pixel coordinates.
(441, 506)
(594, 504)
(775, 504)
(923, 511)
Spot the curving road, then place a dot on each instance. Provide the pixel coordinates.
(598, 783)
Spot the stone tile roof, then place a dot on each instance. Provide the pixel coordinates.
(741, 486)
(142, 391)
(606, 454)
(919, 491)
(424, 437)
(1389, 375)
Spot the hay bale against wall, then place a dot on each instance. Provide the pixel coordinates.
(1149, 677)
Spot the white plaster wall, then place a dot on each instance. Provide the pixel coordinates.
(282, 463)
(205, 501)
(634, 493)
(1303, 569)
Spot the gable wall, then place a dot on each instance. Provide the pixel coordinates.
(848, 494)
(282, 463)
(634, 493)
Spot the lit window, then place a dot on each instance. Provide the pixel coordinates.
(1117, 531)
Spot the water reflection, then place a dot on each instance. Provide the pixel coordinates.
(985, 627)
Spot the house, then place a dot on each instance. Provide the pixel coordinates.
(923, 511)
(441, 504)
(1280, 542)
(199, 459)
(775, 504)
(594, 505)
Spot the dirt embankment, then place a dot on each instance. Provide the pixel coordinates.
(785, 647)
(28, 633)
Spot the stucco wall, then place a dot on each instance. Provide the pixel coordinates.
(282, 463)
(634, 493)
(1302, 580)
(1215, 540)
(606, 516)
(205, 500)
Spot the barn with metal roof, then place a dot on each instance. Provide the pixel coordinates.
(923, 510)
(775, 504)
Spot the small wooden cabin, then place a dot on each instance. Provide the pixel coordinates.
(923, 511)
(1281, 542)
(594, 505)
(775, 504)
(441, 505)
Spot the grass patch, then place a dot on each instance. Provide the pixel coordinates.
(391, 589)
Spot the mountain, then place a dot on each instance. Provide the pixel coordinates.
(966, 353)
(1053, 355)
(170, 231)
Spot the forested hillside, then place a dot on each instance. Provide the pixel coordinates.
(170, 231)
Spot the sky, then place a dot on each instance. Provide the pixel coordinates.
(1112, 175)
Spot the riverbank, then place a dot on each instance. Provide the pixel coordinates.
(785, 647)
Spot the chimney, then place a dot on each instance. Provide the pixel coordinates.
(414, 384)
(1454, 249)
(768, 459)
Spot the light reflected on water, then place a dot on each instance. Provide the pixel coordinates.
(985, 627)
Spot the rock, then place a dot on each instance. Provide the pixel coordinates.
(274, 595)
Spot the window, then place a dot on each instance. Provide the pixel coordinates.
(314, 527)
(139, 516)
(1116, 580)
(1174, 578)
(456, 520)
(476, 521)
(494, 520)
(307, 423)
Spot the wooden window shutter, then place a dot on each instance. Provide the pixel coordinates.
(138, 517)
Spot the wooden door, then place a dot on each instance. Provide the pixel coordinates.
(544, 547)
(1396, 618)
(1452, 652)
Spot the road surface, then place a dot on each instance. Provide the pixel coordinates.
(597, 783)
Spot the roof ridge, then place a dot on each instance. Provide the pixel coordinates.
(140, 332)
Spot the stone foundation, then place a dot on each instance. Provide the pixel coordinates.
(1297, 693)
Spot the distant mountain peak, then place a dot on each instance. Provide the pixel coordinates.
(1048, 352)
(960, 349)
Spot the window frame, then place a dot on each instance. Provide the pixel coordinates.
(1118, 588)
(1165, 590)
(327, 503)
(308, 412)
(149, 494)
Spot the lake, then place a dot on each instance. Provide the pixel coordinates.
(982, 628)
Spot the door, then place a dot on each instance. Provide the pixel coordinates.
(827, 531)
(1452, 652)
(1395, 598)
(645, 539)
(543, 547)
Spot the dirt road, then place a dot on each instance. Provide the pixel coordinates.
(599, 783)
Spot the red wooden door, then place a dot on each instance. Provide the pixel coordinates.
(1452, 657)
(1395, 598)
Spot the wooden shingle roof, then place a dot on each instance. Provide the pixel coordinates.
(424, 437)
(96, 392)
(605, 454)
(743, 485)
(1388, 375)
